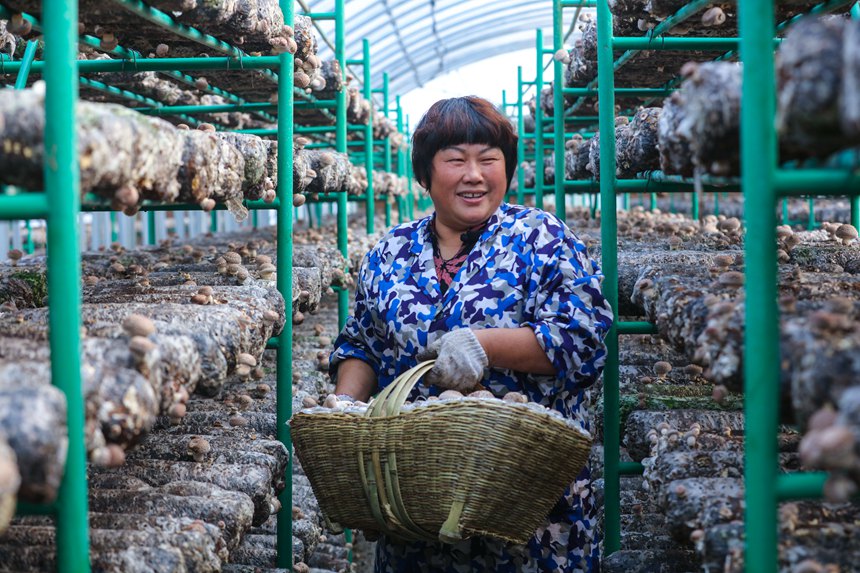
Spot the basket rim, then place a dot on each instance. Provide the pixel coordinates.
(465, 402)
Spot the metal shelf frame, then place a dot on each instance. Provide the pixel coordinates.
(60, 205)
(767, 183)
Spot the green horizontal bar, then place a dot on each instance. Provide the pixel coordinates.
(251, 205)
(158, 64)
(260, 205)
(318, 104)
(629, 92)
(261, 131)
(661, 177)
(529, 83)
(673, 43)
(333, 197)
(117, 91)
(630, 468)
(680, 186)
(24, 206)
(324, 128)
(578, 3)
(222, 108)
(273, 342)
(804, 485)
(646, 186)
(315, 129)
(321, 15)
(637, 328)
(809, 182)
(355, 62)
(26, 508)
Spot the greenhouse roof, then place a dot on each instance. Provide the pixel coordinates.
(416, 40)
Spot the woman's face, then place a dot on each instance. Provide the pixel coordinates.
(467, 184)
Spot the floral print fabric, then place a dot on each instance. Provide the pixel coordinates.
(526, 269)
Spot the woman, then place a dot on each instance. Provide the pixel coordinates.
(499, 294)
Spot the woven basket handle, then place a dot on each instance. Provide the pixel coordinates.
(389, 401)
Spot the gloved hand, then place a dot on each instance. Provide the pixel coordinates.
(460, 360)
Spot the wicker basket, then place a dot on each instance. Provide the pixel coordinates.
(444, 471)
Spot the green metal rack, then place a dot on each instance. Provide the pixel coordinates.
(60, 205)
(767, 184)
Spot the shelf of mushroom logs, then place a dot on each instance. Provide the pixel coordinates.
(180, 419)
(682, 388)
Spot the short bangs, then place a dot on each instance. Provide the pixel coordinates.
(457, 121)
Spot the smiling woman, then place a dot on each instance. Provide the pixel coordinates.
(502, 296)
(468, 185)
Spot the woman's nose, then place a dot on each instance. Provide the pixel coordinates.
(473, 171)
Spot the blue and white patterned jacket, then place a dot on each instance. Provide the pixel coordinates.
(527, 269)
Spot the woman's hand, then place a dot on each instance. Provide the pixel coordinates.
(460, 360)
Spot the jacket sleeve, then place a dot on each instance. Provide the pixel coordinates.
(359, 337)
(570, 315)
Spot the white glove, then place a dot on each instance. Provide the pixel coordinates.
(460, 360)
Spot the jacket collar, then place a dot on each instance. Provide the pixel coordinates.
(421, 251)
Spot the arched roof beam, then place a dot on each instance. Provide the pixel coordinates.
(459, 25)
(461, 56)
(390, 62)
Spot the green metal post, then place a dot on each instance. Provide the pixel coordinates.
(557, 113)
(653, 202)
(150, 226)
(114, 231)
(609, 251)
(855, 211)
(521, 140)
(62, 184)
(21, 83)
(368, 141)
(29, 245)
(400, 162)
(761, 334)
(695, 209)
(716, 204)
(340, 145)
(284, 390)
(387, 150)
(26, 64)
(810, 223)
(539, 123)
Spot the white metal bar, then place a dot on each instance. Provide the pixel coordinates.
(16, 235)
(160, 226)
(4, 240)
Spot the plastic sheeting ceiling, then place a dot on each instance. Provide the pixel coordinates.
(417, 40)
